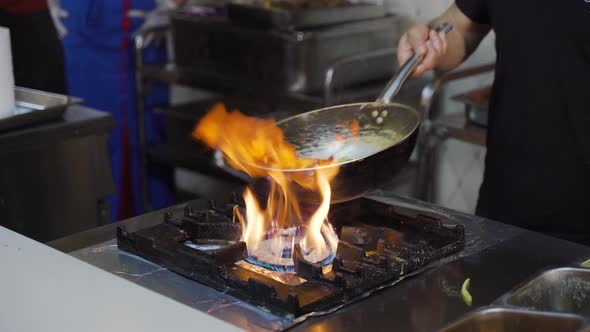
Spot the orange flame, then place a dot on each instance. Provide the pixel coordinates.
(258, 148)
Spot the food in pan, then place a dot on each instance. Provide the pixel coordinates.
(353, 148)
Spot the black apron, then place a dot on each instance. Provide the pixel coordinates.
(537, 173)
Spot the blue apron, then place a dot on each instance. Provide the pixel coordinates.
(100, 69)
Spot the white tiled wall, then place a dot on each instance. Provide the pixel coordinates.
(459, 175)
(418, 10)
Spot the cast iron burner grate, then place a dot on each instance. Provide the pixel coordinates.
(378, 244)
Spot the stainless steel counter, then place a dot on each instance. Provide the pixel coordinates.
(497, 257)
(60, 167)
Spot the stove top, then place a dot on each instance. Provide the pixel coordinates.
(378, 244)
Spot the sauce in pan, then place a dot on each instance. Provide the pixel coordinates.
(351, 148)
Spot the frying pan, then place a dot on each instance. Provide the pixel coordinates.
(387, 136)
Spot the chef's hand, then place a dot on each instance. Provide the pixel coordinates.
(424, 41)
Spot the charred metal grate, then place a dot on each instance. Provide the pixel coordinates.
(378, 244)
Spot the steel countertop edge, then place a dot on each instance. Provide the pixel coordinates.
(430, 300)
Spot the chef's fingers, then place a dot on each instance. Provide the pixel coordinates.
(445, 42)
(404, 50)
(425, 42)
(436, 49)
(417, 37)
(436, 43)
(429, 61)
(413, 41)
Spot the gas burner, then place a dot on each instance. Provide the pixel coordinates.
(378, 244)
(278, 255)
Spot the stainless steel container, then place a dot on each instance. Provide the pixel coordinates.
(282, 60)
(312, 15)
(515, 320)
(564, 290)
(33, 107)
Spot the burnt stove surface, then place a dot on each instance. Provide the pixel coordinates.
(378, 244)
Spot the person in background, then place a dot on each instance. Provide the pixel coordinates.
(37, 53)
(537, 168)
(100, 67)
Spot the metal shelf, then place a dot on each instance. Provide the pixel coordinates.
(243, 90)
(203, 78)
(191, 157)
(283, 107)
(457, 126)
(438, 128)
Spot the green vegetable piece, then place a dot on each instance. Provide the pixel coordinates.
(467, 298)
(586, 264)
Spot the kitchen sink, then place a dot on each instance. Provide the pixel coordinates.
(515, 320)
(564, 290)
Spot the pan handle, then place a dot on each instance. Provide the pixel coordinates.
(396, 83)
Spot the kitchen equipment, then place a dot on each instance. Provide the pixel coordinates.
(33, 107)
(424, 300)
(368, 159)
(476, 105)
(294, 17)
(553, 300)
(275, 61)
(515, 320)
(564, 290)
(55, 177)
(379, 243)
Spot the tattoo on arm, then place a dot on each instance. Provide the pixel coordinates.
(463, 40)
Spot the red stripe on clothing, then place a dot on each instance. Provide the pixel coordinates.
(23, 6)
(126, 194)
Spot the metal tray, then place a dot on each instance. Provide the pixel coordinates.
(553, 300)
(476, 105)
(33, 107)
(564, 290)
(258, 16)
(515, 320)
